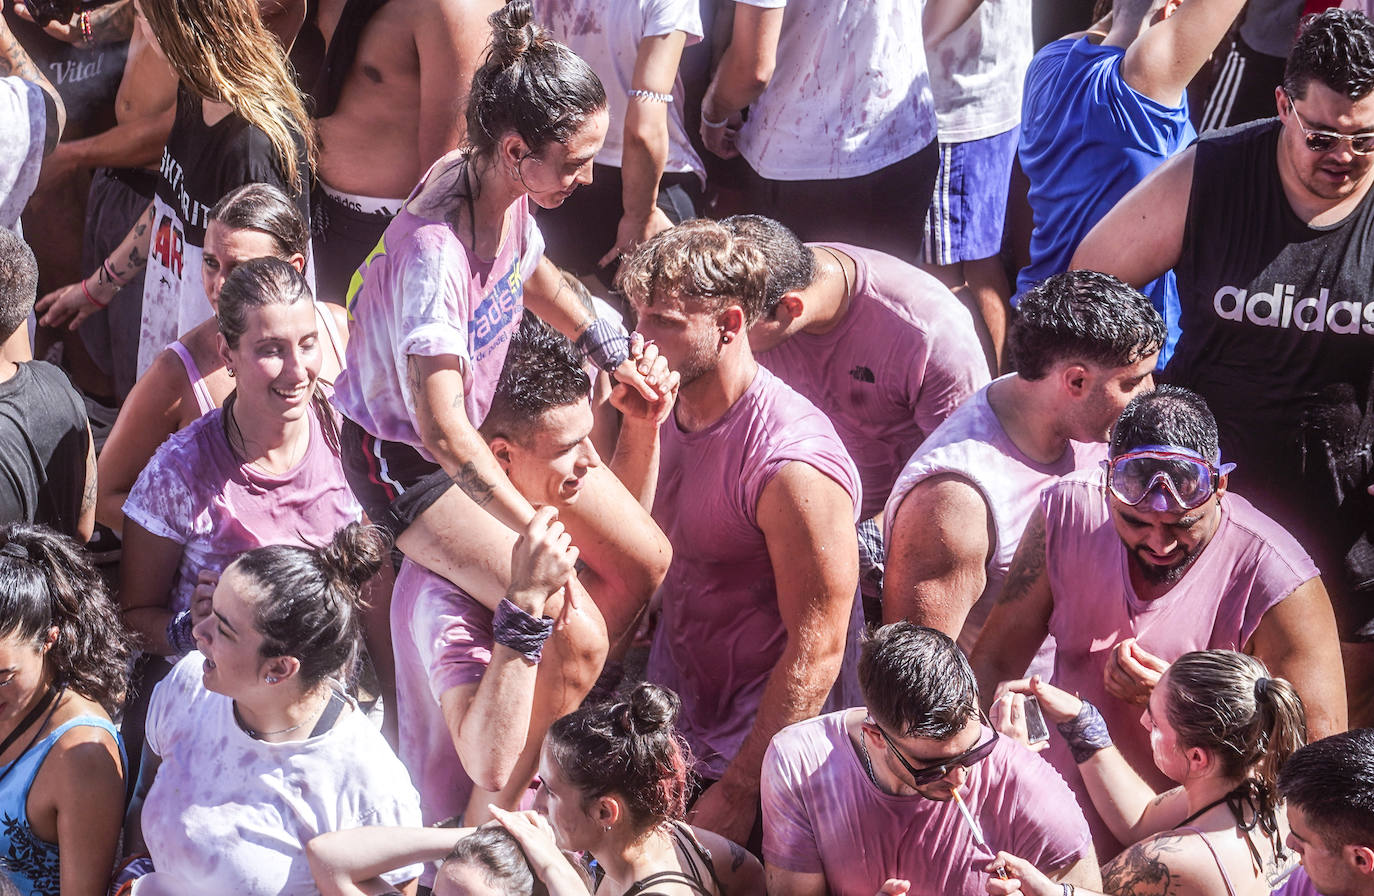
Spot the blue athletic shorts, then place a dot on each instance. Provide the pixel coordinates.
(969, 206)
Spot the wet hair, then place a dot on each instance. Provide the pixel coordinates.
(791, 265)
(310, 599)
(222, 51)
(916, 682)
(495, 851)
(1225, 702)
(265, 208)
(47, 580)
(699, 260)
(18, 282)
(1167, 415)
(1082, 316)
(257, 283)
(1335, 48)
(1332, 782)
(629, 749)
(529, 84)
(543, 371)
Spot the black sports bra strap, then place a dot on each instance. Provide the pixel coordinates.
(686, 833)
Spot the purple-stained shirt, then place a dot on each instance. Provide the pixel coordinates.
(823, 815)
(441, 638)
(196, 492)
(1249, 565)
(972, 445)
(417, 294)
(721, 632)
(901, 360)
(1298, 884)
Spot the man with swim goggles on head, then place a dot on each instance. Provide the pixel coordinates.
(1133, 565)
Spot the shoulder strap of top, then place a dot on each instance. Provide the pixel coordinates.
(685, 834)
(641, 886)
(196, 378)
(1226, 878)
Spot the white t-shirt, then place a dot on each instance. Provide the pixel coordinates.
(978, 71)
(850, 93)
(607, 35)
(23, 129)
(233, 814)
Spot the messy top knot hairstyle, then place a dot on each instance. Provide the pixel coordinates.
(310, 599)
(222, 51)
(529, 84)
(1082, 316)
(699, 260)
(266, 209)
(47, 581)
(629, 749)
(1336, 48)
(1225, 702)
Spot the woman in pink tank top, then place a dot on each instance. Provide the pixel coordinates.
(1222, 728)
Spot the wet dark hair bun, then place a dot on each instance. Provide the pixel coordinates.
(355, 554)
(649, 710)
(513, 32)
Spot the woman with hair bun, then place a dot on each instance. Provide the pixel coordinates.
(1222, 728)
(63, 659)
(253, 745)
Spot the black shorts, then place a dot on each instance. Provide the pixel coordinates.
(391, 480)
(346, 236)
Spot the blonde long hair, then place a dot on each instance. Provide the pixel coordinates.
(224, 53)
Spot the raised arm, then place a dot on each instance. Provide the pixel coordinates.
(646, 142)
(743, 74)
(489, 722)
(1142, 236)
(343, 861)
(1020, 619)
(937, 561)
(1163, 60)
(15, 60)
(807, 519)
(106, 24)
(1297, 640)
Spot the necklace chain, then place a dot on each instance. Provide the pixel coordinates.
(868, 762)
(259, 735)
(843, 273)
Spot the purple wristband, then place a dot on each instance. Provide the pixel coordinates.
(514, 628)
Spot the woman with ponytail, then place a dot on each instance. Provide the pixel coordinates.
(253, 745)
(63, 662)
(239, 119)
(1222, 728)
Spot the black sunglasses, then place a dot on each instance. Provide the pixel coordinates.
(920, 777)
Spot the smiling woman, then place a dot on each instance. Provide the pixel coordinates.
(264, 469)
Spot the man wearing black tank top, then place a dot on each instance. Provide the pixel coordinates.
(1269, 228)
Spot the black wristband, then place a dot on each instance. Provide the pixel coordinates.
(514, 628)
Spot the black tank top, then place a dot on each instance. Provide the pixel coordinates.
(1277, 316)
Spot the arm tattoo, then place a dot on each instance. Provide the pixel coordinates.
(1142, 871)
(737, 856)
(110, 23)
(1028, 566)
(89, 495)
(15, 60)
(473, 485)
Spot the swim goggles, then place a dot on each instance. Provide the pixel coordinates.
(1186, 476)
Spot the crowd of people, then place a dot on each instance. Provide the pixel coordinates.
(666, 447)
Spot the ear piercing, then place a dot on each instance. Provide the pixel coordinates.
(231, 371)
(271, 679)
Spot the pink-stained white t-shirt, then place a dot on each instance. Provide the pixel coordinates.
(417, 294)
(1249, 565)
(232, 814)
(823, 815)
(902, 359)
(196, 492)
(441, 639)
(972, 445)
(721, 633)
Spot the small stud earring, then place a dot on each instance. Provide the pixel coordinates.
(231, 371)
(608, 829)
(271, 679)
(725, 337)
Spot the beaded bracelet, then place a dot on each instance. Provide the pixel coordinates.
(84, 22)
(652, 96)
(90, 298)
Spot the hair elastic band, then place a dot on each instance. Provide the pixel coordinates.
(1262, 687)
(90, 298)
